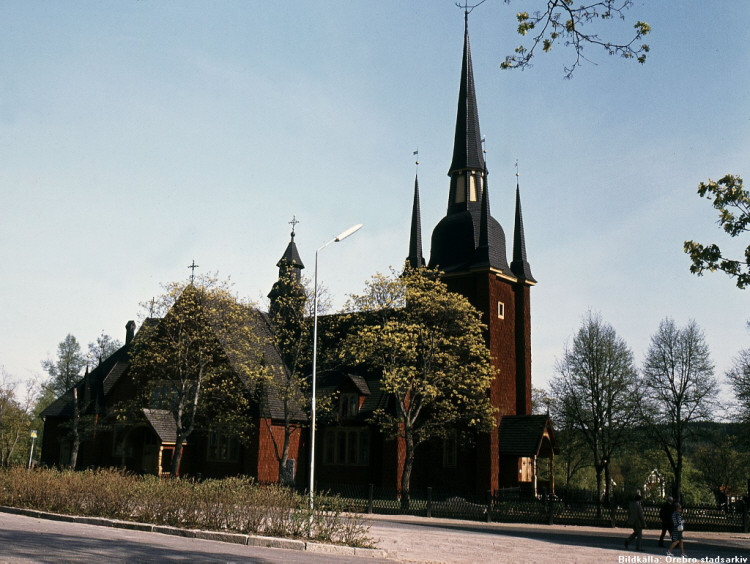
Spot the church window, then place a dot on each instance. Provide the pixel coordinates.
(223, 446)
(450, 450)
(500, 310)
(460, 188)
(348, 406)
(346, 446)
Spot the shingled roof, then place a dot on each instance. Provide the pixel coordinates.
(468, 237)
(333, 381)
(97, 385)
(163, 424)
(523, 435)
(467, 142)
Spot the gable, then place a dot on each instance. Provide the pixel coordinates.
(524, 435)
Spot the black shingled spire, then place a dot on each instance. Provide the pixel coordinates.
(520, 266)
(468, 224)
(291, 255)
(482, 254)
(415, 258)
(467, 144)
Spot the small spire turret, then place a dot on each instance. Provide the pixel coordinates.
(415, 258)
(520, 266)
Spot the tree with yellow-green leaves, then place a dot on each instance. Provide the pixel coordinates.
(732, 202)
(427, 344)
(575, 26)
(289, 335)
(199, 362)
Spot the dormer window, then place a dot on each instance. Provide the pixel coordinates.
(348, 406)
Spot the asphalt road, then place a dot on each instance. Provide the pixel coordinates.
(406, 539)
(28, 539)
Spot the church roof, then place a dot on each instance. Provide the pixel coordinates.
(523, 435)
(468, 237)
(163, 424)
(467, 142)
(291, 255)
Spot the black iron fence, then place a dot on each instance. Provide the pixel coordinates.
(513, 505)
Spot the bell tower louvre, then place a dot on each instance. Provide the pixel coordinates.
(468, 246)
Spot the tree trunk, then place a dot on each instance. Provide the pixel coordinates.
(598, 468)
(76, 442)
(408, 465)
(285, 477)
(607, 485)
(174, 469)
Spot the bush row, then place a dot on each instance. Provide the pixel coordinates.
(232, 504)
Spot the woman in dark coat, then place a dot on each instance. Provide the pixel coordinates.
(665, 514)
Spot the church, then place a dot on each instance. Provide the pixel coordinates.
(469, 247)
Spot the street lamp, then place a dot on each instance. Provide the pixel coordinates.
(339, 237)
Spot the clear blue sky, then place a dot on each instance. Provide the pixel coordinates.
(138, 136)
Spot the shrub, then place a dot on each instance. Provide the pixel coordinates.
(233, 504)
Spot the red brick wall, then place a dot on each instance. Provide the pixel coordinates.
(509, 342)
(267, 462)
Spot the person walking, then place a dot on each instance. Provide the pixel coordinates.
(665, 514)
(678, 524)
(637, 521)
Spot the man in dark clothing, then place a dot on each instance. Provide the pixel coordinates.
(665, 514)
(636, 520)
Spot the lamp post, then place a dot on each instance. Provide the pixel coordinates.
(340, 237)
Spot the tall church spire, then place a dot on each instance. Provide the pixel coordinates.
(415, 258)
(468, 223)
(467, 143)
(519, 265)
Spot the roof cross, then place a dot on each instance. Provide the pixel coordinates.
(293, 223)
(192, 267)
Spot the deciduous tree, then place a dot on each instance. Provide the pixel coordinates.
(560, 22)
(289, 332)
(199, 361)
(427, 344)
(102, 348)
(595, 386)
(678, 388)
(739, 378)
(64, 374)
(66, 370)
(733, 204)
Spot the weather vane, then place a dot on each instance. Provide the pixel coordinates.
(469, 9)
(416, 154)
(516, 168)
(192, 268)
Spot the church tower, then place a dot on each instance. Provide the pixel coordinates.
(469, 246)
